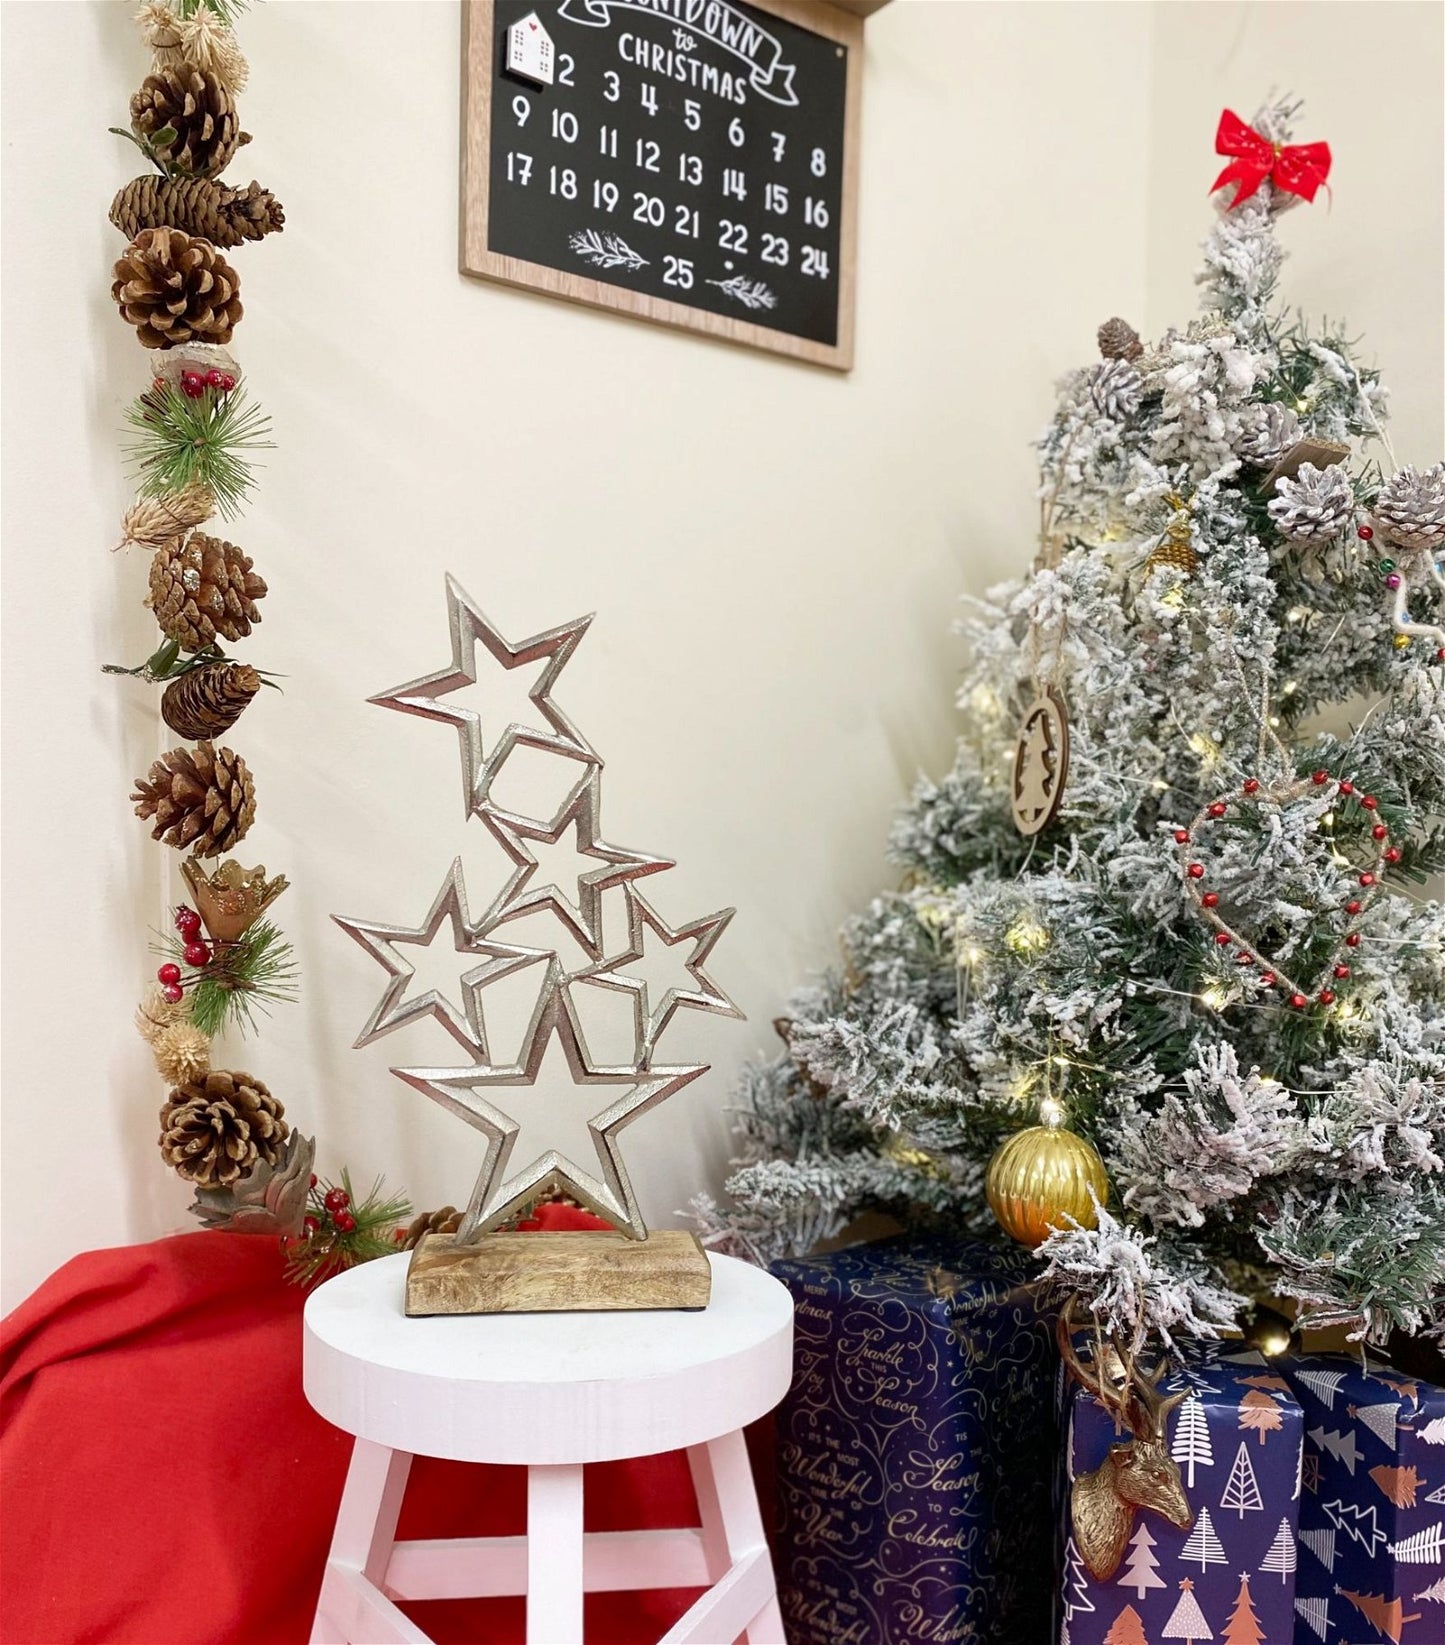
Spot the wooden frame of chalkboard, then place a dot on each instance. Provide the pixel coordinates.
(793, 303)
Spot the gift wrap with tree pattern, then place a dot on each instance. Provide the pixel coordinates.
(1239, 1442)
(1372, 1513)
(916, 1448)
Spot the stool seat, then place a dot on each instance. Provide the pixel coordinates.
(540, 1388)
(552, 1392)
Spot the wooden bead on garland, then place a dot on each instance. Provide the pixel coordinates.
(1042, 1176)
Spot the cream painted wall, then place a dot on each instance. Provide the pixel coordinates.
(774, 552)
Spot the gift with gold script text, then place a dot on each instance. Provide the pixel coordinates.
(916, 1448)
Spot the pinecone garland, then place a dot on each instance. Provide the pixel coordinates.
(1411, 508)
(201, 588)
(172, 287)
(201, 798)
(1314, 507)
(1117, 389)
(1118, 340)
(198, 205)
(154, 521)
(207, 701)
(445, 1221)
(1269, 433)
(198, 112)
(215, 1129)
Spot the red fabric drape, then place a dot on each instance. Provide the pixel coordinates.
(164, 1482)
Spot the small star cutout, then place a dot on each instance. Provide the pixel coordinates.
(582, 914)
(424, 696)
(652, 1020)
(394, 1010)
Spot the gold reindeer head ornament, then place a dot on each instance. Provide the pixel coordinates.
(1138, 1472)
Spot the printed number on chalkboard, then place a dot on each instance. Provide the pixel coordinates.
(732, 236)
(775, 250)
(649, 209)
(677, 271)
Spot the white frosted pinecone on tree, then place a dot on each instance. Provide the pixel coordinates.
(1267, 435)
(1117, 389)
(1314, 507)
(1411, 508)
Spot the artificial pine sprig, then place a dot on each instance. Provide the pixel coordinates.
(256, 971)
(338, 1231)
(206, 440)
(167, 663)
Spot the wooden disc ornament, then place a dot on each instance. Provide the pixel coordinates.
(1042, 1176)
(1041, 763)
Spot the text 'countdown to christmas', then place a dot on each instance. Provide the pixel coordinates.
(690, 150)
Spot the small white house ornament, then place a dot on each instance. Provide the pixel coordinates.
(530, 53)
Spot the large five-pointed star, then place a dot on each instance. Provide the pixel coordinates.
(582, 915)
(468, 625)
(394, 1010)
(499, 1194)
(650, 1020)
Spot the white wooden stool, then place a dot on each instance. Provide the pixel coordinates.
(552, 1392)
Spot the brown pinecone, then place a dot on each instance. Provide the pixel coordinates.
(203, 798)
(215, 1129)
(1118, 340)
(197, 110)
(197, 205)
(202, 587)
(207, 701)
(173, 287)
(445, 1221)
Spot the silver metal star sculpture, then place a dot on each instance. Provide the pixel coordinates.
(468, 624)
(499, 1195)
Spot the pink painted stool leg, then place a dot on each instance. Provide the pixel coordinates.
(554, 1555)
(732, 1525)
(362, 1542)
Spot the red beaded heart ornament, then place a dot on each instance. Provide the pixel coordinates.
(1194, 875)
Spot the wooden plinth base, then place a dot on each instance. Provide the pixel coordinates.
(559, 1273)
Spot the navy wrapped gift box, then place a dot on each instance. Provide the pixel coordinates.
(1372, 1513)
(1230, 1576)
(916, 1448)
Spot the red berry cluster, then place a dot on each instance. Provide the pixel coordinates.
(194, 383)
(1379, 832)
(196, 953)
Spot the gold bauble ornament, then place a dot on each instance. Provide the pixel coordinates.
(1041, 1176)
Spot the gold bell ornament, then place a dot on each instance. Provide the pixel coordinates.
(1042, 1176)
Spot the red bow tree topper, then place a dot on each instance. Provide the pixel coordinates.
(1297, 168)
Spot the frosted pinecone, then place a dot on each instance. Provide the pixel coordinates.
(1267, 435)
(1411, 508)
(1315, 507)
(1117, 389)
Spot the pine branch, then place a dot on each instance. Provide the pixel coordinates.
(325, 1247)
(206, 440)
(253, 973)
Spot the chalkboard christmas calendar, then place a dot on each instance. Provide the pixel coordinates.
(686, 161)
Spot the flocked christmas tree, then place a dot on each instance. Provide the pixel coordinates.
(1169, 913)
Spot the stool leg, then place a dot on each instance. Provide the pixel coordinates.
(365, 1529)
(732, 1526)
(554, 1555)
